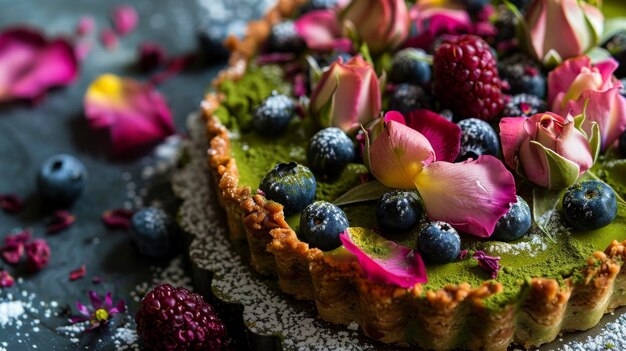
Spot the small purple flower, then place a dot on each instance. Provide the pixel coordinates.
(489, 264)
(100, 313)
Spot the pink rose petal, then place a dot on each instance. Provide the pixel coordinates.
(78, 273)
(85, 26)
(6, 280)
(117, 218)
(471, 196)
(11, 203)
(135, 114)
(21, 236)
(321, 30)
(31, 64)
(82, 49)
(125, 19)
(399, 266)
(108, 38)
(59, 221)
(12, 254)
(37, 255)
(443, 135)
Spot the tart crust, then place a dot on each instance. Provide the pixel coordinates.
(450, 318)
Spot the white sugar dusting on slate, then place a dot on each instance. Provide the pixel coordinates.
(267, 311)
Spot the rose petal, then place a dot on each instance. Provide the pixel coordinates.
(471, 196)
(511, 138)
(31, 64)
(489, 264)
(320, 30)
(135, 114)
(59, 221)
(20, 236)
(96, 301)
(11, 203)
(443, 135)
(6, 280)
(85, 26)
(117, 218)
(13, 253)
(398, 155)
(124, 19)
(37, 255)
(398, 265)
(560, 79)
(78, 273)
(108, 38)
(82, 49)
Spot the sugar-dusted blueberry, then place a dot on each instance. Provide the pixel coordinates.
(410, 66)
(61, 179)
(515, 223)
(291, 185)
(151, 231)
(399, 210)
(406, 98)
(273, 115)
(329, 151)
(284, 38)
(589, 205)
(320, 225)
(439, 242)
(477, 138)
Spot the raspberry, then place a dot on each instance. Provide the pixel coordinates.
(466, 78)
(175, 319)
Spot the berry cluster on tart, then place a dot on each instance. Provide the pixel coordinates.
(447, 174)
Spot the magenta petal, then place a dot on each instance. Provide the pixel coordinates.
(78, 273)
(30, 64)
(511, 138)
(489, 264)
(320, 30)
(135, 113)
(471, 196)
(108, 38)
(124, 19)
(6, 280)
(399, 265)
(37, 255)
(11, 203)
(82, 309)
(117, 218)
(443, 135)
(96, 302)
(120, 307)
(85, 25)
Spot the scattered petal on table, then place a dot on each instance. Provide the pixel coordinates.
(124, 19)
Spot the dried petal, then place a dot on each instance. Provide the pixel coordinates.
(463, 254)
(10, 203)
(124, 19)
(59, 221)
(31, 64)
(108, 38)
(135, 113)
(82, 49)
(117, 218)
(85, 26)
(151, 56)
(6, 280)
(78, 273)
(489, 264)
(12, 253)
(20, 236)
(37, 255)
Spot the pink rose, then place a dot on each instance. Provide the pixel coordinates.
(560, 29)
(547, 149)
(382, 24)
(577, 81)
(347, 95)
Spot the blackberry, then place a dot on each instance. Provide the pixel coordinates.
(523, 74)
(523, 105)
(465, 78)
(175, 319)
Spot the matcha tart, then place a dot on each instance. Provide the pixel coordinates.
(442, 233)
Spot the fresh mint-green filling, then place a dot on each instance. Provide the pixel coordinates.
(534, 255)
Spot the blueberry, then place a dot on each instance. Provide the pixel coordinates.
(438, 242)
(399, 211)
(515, 223)
(622, 144)
(61, 179)
(320, 225)
(273, 115)
(290, 184)
(409, 66)
(284, 38)
(477, 138)
(151, 230)
(314, 5)
(588, 205)
(406, 98)
(329, 151)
